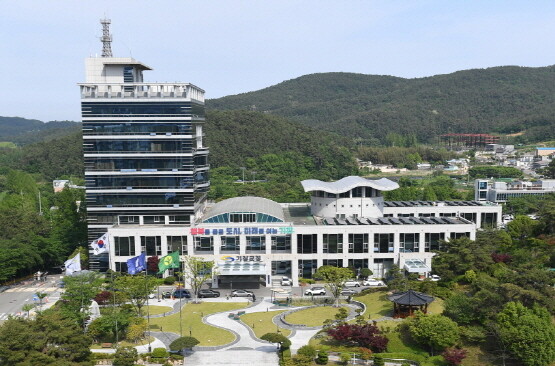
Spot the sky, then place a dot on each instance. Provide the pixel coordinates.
(234, 46)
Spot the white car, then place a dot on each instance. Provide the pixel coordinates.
(315, 291)
(434, 278)
(286, 281)
(352, 283)
(373, 282)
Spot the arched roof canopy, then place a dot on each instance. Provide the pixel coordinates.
(266, 210)
(348, 183)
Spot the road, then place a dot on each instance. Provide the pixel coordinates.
(13, 299)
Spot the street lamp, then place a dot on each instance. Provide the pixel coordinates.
(243, 169)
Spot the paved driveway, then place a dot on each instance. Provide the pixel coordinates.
(236, 357)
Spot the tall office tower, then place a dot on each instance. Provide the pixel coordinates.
(145, 162)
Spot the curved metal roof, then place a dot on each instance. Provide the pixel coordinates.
(246, 204)
(348, 183)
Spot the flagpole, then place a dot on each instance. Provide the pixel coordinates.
(113, 291)
(147, 308)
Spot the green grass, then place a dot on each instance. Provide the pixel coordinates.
(261, 323)
(191, 319)
(377, 305)
(7, 144)
(437, 306)
(312, 317)
(155, 309)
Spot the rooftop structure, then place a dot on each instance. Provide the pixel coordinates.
(474, 140)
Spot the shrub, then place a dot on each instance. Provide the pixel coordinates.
(378, 361)
(367, 335)
(159, 353)
(125, 356)
(302, 360)
(322, 358)
(365, 353)
(308, 351)
(454, 356)
(170, 280)
(345, 358)
(183, 342)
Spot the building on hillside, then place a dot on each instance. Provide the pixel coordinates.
(254, 241)
(545, 151)
(499, 191)
(145, 160)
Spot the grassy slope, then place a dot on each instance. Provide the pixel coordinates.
(261, 323)
(191, 318)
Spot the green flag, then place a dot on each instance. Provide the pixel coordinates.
(169, 261)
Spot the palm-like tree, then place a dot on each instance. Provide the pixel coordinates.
(28, 308)
(41, 295)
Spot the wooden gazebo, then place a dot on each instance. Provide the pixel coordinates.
(408, 302)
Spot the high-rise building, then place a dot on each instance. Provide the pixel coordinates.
(145, 161)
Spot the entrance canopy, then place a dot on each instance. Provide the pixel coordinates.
(416, 266)
(241, 269)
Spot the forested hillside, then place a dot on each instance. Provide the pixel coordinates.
(500, 99)
(25, 131)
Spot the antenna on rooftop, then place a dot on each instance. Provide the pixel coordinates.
(106, 38)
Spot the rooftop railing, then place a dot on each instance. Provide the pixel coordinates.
(141, 91)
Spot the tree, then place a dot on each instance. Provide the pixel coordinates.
(28, 308)
(435, 331)
(183, 343)
(334, 279)
(378, 360)
(283, 342)
(80, 289)
(528, 333)
(396, 279)
(342, 314)
(136, 288)
(549, 170)
(344, 358)
(136, 330)
(197, 273)
(461, 308)
(125, 356)
(307, 350)
(50, 339)
(454, 356)
(322, 358)
(522, 227)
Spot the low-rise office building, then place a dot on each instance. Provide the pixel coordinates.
(498, 191)
(346, 224)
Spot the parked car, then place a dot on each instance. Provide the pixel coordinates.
(242, 293)
(435, 278)
(166, 295)
(286, 281)
(208, 293)
(352, 283)
(181, 293)
(348, 292)
(373, 282)
(315, 291)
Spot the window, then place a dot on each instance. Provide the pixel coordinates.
(177, 243)
(357, 192)
(489, 219)
(256, 244)
(409, 243)
(333, 243)
(333, 262)
(307, 267)
(121, 266)
(230, 244)
(151, 245)
(447, 214)
(471, 216)
(432, 241)
(358, 264)
(124, 245)
(307, 244)
(152, 220)
(242, 217)
(383, 243)
(128, 220)
(281, 244)
(204, 244)
(483, 185)
(459, 235)
(426, 215)
(358, 243)
(405, 215)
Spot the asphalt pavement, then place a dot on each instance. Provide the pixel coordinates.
(13, 299)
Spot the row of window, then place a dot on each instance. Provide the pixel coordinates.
(355, 192)
(148, 109)
(332, 243)
(137, 164)
(137, 128)
(139, 199)
(146, 145)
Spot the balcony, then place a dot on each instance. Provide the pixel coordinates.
(141, 91)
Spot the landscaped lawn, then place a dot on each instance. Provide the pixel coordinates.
(437, 306)
(125, 343)
(377, 305)
(191, 320)
(261, 323)
(155, 309)
(312, 317)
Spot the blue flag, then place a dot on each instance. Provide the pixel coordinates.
(136, 264)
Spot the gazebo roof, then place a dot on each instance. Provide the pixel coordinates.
(411, 297)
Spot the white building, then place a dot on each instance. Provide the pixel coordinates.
(501, 191)
(347, 224)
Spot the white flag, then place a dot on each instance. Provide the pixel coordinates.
(73, 264)
(100, 245)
